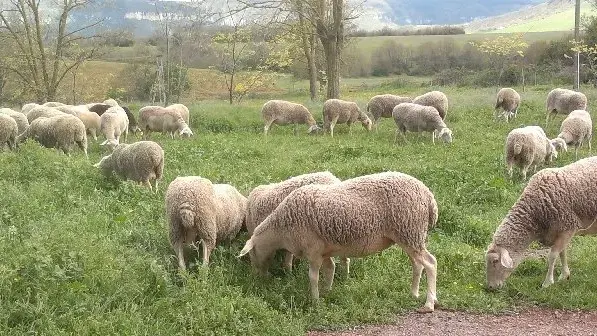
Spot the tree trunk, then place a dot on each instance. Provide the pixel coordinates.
(231, 89)
(330, 49)
(312, 71)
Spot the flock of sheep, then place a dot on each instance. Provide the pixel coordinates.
(316, 216)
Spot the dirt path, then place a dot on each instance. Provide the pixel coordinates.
(530, 322)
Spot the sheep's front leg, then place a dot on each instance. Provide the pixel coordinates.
(329, 269)
(565, 275)
(559, 245)
(288, 258)
(314, 266)
(346, 263)
(178, 248)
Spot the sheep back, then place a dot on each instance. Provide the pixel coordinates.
(20, 118)
(381, 106)
(43, 111)
(141, 161)
(282, 112)
(507, 99)
(436, 99)
(8, 131)
(416, 118)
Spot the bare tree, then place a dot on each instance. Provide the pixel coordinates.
(45, 50)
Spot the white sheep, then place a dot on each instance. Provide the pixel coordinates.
(111, 102)
(142, 161)
(92, 122)
(19, 117)
(576, 129)
(160, 119)
(52, 104)
(381, 106)
(28, 107)
(336, 111)
(419, 118)
(61, 131)
(353, 218)
(556, 204)
(8, 132)
(196, 208)
(436, 99)
(528, 146)
(281, 112)
(113, 124)
(183, 110)
(264, 199)
(43, 111)
(508, 100)
(564, 101)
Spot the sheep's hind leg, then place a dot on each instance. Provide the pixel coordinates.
(314, 266)
(178, 248)
(416, 279)
(329, 269)
(288, 258)
(565, 275)
(346, 263)
(559, 245)
(148, 184)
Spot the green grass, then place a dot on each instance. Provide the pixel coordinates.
(563, 21)
(85, 255)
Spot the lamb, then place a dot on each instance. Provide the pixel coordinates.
(142, 161)
(42, 111)
(92, 122)
(336, 111)
(418, 118)
(564, 101)
(160, 119)
(281, 112)
(19, 117)
(8, 132)
(508, 100)
(436, 99)
(102, 108)
(353, 218)
(111, 102)
(528, 146)
(60, 131)
(576, 129)
(113, 124)
(28, 107)
(381, 106)
(197, 208)
(556, 204)
(52, 104)
(265, 198)
(183, 110)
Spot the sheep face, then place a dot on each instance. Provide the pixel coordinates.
(367, 124)
(552, 153)
(186, 132)
(105, 165)
(313, 129)
(559, 144)
(261, 255)
(499, 266)
(446, 135)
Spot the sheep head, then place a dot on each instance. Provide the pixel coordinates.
(499, 265)
(445, 134)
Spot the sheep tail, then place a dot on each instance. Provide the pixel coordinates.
(433, 214)
(187, 216)
(517, 149)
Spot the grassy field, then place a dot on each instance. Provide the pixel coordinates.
(87, 255)
(563, 21)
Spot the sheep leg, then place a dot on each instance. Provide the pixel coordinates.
(433, 137)
(208, 246)
(346, 263)
(560, 244)
(510, 170)
(565, 275)
(416, 279)
(524, 171)
(288, 258)
(576, 152)
(314, 266)
(329, 268)
(93, 134)
(178, 248)
(148, 184)
(266, 127)
(430, 264)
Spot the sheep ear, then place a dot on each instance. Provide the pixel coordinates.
(505, 259)
(248, 247)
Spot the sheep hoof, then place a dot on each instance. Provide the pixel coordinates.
(546, 284)
(425, 310)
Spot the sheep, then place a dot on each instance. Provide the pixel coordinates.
(160, 119)
(436, 99)
(114, 123)
(528, 146)
(111, 102)
(556, 204)
(564, 101)
(60, 131)
(419, 118)
(197, 208)
(42, 111)
(508, 100)
(576, 129)
(183, 110)
(101, 108)
(92, 122)
(381, 106)
(281, 112)
(28, 107)
(8, 132)
(52, 104)
(19, 117)
(353, 218)
(336, 111)
(142, 161)
(264, 199)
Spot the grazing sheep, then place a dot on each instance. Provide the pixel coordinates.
(72, 109)
(8, 132)
(92, 122)
(19, 117)
(28, 107)
(336, 111)
(556, 204)
(381, 106)
(265, 198)
(60, 131)
(42, 111)
(281, 112)
(528, 146)
(102, 108)
(111, 102)
(52, 104)
(564, 101)
(576, 129)
(436, 99)
(353, 218)
(508, 100)
(183, 110)
(114, 123)
(142, 161)
(197, 208)
(418, 118)
(160, 119)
